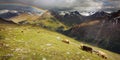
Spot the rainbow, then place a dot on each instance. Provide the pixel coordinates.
(22, 4)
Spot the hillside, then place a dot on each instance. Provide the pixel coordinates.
(25, 42)
(48, 21)
(19, 12)
(101, 32)
(24, 17)
(42, 18)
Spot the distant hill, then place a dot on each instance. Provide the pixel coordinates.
(18, 16)
(4, 21)
(69, 18)
(47, 20)
(44, 19)
(6, 14)
(20, 12)
(72, 18)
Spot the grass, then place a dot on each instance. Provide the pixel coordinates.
(48, 21)
(25, 42)
(24, 17)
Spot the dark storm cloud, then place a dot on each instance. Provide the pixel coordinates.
(81, 5)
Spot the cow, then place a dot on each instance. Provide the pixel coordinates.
(100, 53)
(91, 50)
(87, 48)
(66, 41)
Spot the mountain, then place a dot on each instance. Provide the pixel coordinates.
(48, 21)
(68, 18)
(43, 19)
(102, 30)
(33, 35)
(18, 16)
(19, 12)
(6, 14)
(76, 17)
(99, 14)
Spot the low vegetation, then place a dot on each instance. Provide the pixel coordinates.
(29, 42)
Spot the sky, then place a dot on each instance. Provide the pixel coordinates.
(80, 5)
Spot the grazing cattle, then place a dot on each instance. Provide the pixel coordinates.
(100, 53)
(66, 41)
(91, 50)
(86, 48)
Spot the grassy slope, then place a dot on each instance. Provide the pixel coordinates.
(35, 43)
(23, 17)
(48, 21)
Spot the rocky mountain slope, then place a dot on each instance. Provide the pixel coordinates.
(103, 32)
(72, 18)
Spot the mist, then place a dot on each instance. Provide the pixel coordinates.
(80, 5)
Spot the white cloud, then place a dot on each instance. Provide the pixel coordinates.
(73, 4)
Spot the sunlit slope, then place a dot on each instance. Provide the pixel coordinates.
(24, 17)
(35, 43)
(47, 20)
(44, 19)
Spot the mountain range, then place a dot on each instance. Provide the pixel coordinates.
(18, 16)
(101, 29)
(75, 17)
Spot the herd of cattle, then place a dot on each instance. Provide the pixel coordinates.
(89, 49)
(84, 48)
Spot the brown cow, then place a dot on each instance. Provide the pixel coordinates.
(100, 53)
(66, 41)
(86, 48)
(91, 50)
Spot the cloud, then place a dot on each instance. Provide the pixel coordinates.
(55, 3)
(110, 5)
(81, 5)
(70, 4)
